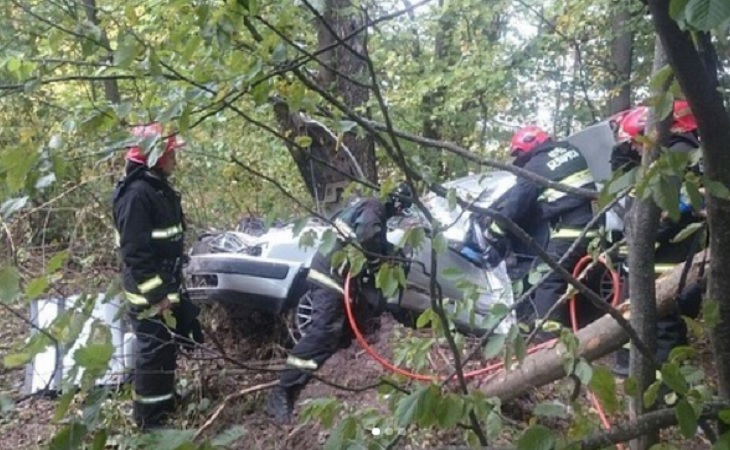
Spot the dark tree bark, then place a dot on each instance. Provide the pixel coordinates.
(111, 88)
(353, 155)
(622, 46)
(343, 21)
(642, 232)
(699, 86)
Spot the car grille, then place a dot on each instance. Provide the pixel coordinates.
(202, 281)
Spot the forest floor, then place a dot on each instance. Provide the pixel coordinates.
(26, 422)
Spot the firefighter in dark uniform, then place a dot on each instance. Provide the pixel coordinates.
(567, 214)
(684, 137)
(149, 223)
(364, 222)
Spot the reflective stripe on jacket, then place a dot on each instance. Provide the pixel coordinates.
(149, 226)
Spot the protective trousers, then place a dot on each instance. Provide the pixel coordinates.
(321, 340)
(154, 371)
(550, 291)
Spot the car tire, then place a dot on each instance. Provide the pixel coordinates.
(300, 317)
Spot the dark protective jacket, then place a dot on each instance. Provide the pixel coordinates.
(365, 221)
(559, 162)
(150, 226)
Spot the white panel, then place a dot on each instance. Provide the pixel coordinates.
(49, 368)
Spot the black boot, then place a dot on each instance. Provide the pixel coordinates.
(279, 405)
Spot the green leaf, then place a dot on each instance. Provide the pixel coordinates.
(9, 284)
(716, 188)
(36, 288)
(494, 345)
(705, 15)
(425, 318)
(711, 312)
(408, 409)
(687, 418)
(126, 51)
(167, 439)
(724, 415)
(71, 437)
(94, 357)
(63, 404)
(303, 141)
(651, 394)
(672, 376)
(687, 231)
(99, 440)
(603, 384)
(583, 371)
(452, 273)
(550, 409)
(299, 226)
(415, 237)
(536, 437)
(57, 261)
(329, 239)
(660, 78)
(677, 9)
(450, 411)
(16, 359)
(229, 436)
(664, 105)
(440, 244)
(520, 347)
(387, 280)
(345, 126)
(340, 436)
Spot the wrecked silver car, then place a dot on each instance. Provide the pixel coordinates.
(268, 272)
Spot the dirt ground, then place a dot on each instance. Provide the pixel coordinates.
(30, 424)
(26, 422)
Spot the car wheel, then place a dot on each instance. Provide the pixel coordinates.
(300, 317)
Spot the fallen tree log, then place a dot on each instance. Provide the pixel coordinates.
(598, 339)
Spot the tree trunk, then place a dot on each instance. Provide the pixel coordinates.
(698, 85)
(349, 154)
(111, 88)
(642, 232)
(595, 341)
(622, 46)
(343, 22)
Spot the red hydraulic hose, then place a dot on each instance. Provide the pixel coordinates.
(582, 263)
(415, 376)
(616, 298)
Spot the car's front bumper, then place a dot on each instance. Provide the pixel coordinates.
(245, 281)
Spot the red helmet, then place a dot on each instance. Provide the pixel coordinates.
(527, 138)
(684, 120)
(634, 122)
(153, 130)
(615, 120)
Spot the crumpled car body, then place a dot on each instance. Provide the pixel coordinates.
(268, 272)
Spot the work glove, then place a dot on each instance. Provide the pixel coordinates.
(187, 329)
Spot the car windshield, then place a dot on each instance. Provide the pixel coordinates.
(487, 188)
